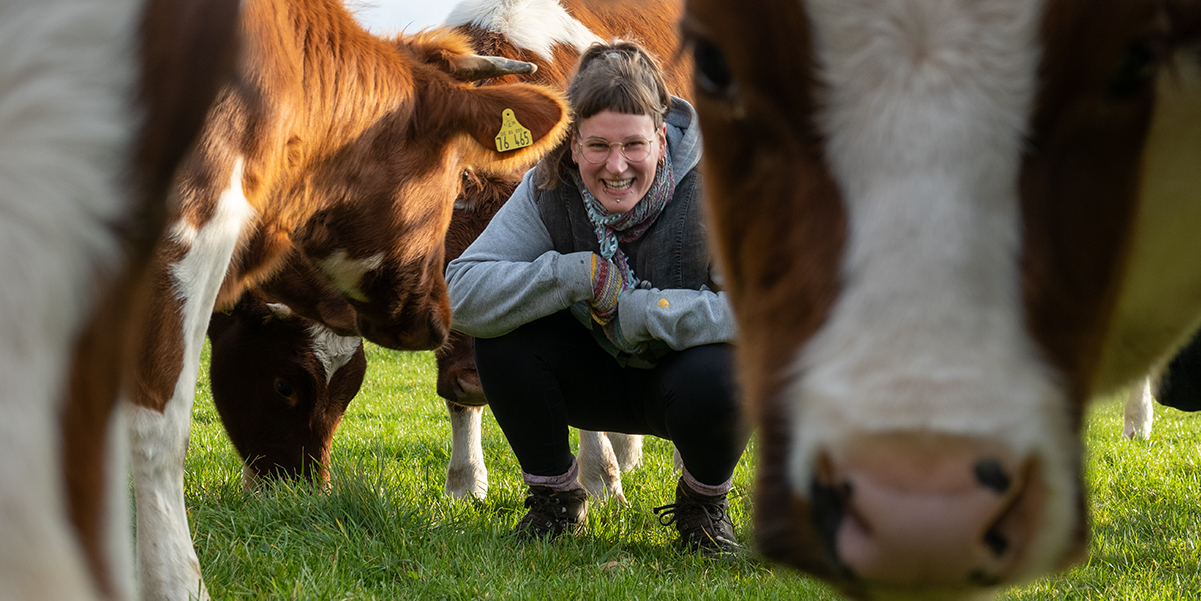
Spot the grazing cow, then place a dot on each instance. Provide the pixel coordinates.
(550, 34)
(339, 146)
(944, 225)
(98, 103)
(281, 384)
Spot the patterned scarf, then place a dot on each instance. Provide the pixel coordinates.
(612, 228)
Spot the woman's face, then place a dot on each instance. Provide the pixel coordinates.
(617, 182)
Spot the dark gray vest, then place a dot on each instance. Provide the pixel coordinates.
(671, 254)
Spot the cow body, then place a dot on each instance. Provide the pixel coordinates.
(98, 102)
(950, 226)
(551, 35)
(327, 143)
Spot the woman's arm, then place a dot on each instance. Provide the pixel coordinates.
(510, 275)
(681, 318)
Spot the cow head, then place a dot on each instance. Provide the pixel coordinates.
(273, 337)
(281, 384)
(944, 226)
(380, 240)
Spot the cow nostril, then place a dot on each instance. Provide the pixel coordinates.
(990, 473)
(996, 542)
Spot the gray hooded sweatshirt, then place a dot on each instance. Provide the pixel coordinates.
(511, 275)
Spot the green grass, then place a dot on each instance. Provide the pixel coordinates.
(384, 529)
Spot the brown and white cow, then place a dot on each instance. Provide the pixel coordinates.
(98, 103)
(550, 34)
(945, 225)
(335, 144)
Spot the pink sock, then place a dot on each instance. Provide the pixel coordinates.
(709, 490)
(562, 482)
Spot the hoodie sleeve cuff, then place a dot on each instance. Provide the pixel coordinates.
(574, 272)
(631, 314)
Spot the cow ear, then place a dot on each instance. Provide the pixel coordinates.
(512, 125)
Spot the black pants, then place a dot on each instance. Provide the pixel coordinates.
(550, 374)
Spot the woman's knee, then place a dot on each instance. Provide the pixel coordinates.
(706, 374)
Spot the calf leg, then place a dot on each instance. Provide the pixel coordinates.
(1139, 412)
(466, 474)
(600, 473)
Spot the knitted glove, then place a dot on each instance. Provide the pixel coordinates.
(607, 285)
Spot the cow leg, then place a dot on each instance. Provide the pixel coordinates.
(466, 474)
(161, 411)
(1139, 412)
(167, 565)
(599, 471)
(627, 448)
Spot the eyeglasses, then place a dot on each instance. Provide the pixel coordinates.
(597, 150)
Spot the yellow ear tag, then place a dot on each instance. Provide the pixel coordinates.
(512, 135)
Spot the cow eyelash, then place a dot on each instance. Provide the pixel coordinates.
(712, 74)
(1137, 66)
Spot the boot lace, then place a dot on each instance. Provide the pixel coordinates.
(692, 516)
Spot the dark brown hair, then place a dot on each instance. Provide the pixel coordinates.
(620, 76)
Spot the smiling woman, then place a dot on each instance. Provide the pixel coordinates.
(593, 304)
(618, 180)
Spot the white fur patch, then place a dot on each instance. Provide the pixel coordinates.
(534, 25)
(332, 350)
(346, 274)
(66, 82)
(925, 110)
(167, 563)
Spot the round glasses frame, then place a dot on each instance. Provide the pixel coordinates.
(594, 156)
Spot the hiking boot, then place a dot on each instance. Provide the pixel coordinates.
(552, 512)
(702, 520)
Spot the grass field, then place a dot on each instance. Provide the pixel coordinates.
(386, 530)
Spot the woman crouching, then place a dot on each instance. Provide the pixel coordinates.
(592, 299)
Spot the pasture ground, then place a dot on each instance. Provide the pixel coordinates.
(384, 529)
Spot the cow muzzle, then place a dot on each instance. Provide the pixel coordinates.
(921, 515)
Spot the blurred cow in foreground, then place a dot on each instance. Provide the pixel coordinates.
(945, 226)
(98, 103)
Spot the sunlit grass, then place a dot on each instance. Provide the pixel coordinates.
(385, 529)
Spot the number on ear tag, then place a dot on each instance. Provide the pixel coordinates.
(512, 135)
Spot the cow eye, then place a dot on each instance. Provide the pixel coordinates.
(1135, 70)
(712, 72)
(283, 388)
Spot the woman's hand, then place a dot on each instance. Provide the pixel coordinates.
(607, 285)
